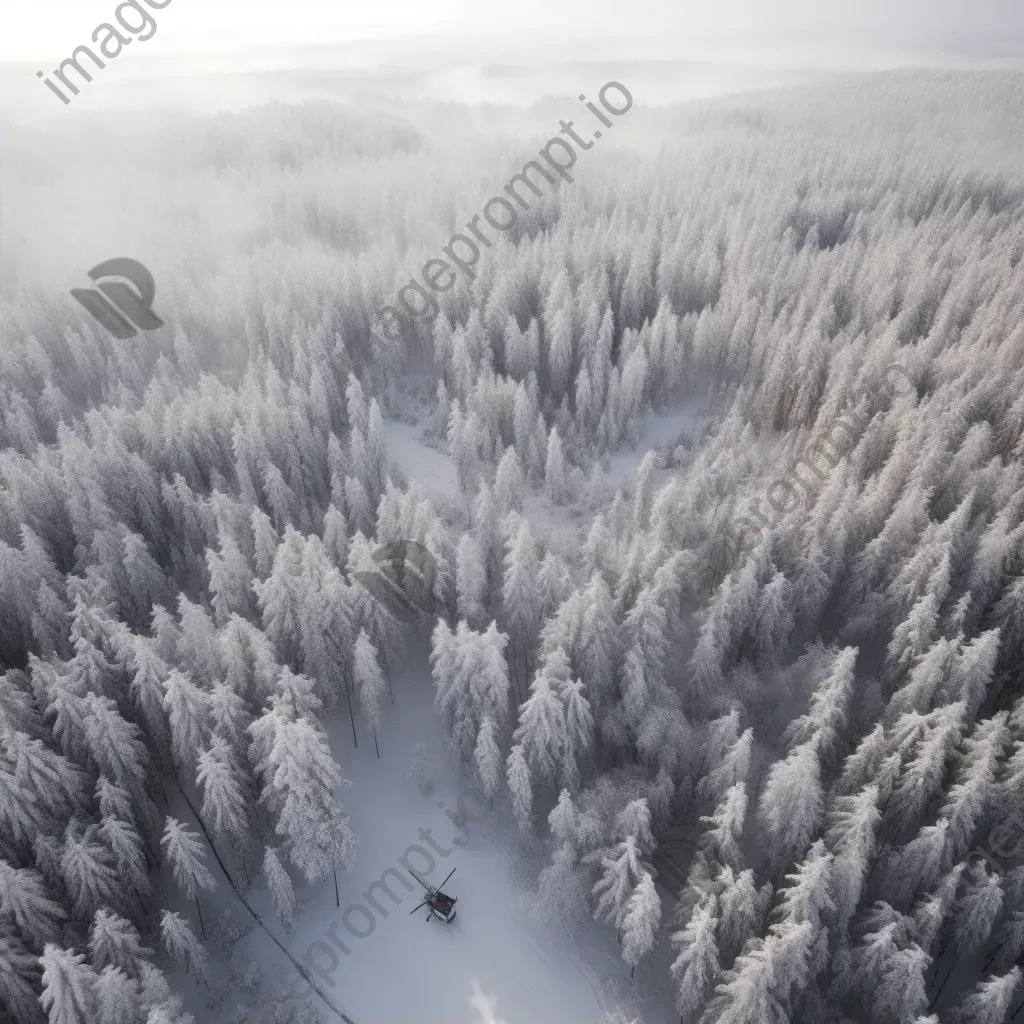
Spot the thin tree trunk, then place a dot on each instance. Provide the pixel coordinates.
(995, 953)
(351, 715)
(938, 957)
(304, 971)
(337, 895)
(941, 987)
(881, 850)
(515, 669)
(375, 747)
(199, 911)
(387, 672)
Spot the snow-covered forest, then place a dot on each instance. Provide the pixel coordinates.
(831, 706)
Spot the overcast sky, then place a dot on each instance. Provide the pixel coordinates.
(44, 30)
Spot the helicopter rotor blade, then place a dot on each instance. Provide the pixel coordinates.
(418, 879)
(414, 909)
(450, 873)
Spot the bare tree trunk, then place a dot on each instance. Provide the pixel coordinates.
(941, 987)
(995, 953)
(375, 747)
(515, 671)
(199, 911)
(351, 715)
(337, 895)
(387, 671)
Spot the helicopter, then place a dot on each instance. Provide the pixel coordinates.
(439, 904)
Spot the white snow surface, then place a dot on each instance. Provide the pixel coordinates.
(418, 461)
(490, 965)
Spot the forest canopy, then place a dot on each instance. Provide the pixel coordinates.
(833, 711)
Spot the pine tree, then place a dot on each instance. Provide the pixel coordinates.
(369, 682)
(621, 869)
(224, 793)
(852, 825)
(509, 483)
(24, 897)
(520, 787)
(555, 469)
(739, 909)
(126, 850)
(335, 536)
(68, 986)
(116, 997)
(114, 744)
(303, 782)
(989, 1001)
(115, 942)
(86, 871)
(901, 991)
(184, 850)
(183, 945)
(280, 885)
(722, 839)
(696, 968)
(791, 808)
(541, 733)
(19, 981)
(487, 757)
(520, 594)
(747, 993)
(640, 921)
(187, 711)
(977, 910)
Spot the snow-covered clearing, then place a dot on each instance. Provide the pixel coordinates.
(431, 469)
(659, 429)
(413, 971)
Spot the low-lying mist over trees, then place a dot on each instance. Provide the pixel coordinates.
(834, 711)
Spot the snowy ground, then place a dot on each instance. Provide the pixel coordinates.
(659, 429)
(433, 470)
(420, 463)
(489, 966)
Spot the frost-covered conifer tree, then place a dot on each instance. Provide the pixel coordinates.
(640, 921)
(369, 682)
(86, 871)
(115, 942)
(116, 997)
(280, 885)
(68, 986)
(696, 969)
(183, 945)
(791, 808)
(187, 710)
(185, 853)
(24, 897)
(990, 1000)
(303, 782)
